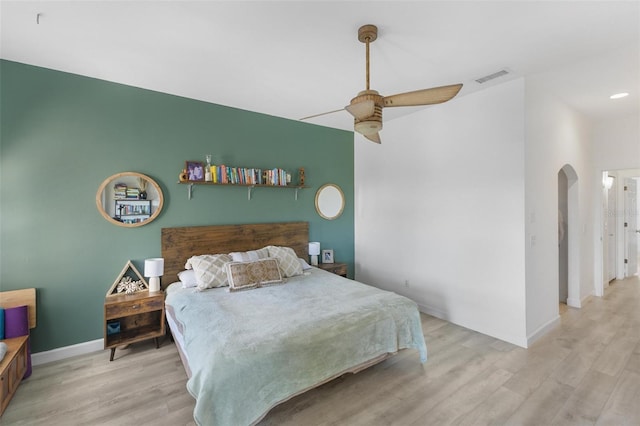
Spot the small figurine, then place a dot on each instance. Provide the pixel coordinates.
(301, 176)
(183, 176)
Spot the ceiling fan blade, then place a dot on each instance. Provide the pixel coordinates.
(361, 110)
(435, 95)
(322, 113)
(373, 137)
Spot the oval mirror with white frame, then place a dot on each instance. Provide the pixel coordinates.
(329, 201)
(129, 199)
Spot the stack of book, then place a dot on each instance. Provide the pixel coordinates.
(120, 191)
(133, 193)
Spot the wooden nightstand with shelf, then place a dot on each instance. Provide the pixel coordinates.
(335, 268)
(130, 318)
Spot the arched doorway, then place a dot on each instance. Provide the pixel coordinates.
(568, 237)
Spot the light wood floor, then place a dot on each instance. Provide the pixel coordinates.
(584, 372)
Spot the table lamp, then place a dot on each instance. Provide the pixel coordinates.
(314, 251)
(154, 269)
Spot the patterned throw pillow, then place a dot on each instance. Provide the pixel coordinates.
(249, 256)
(289, 263)
(246, 275)
(210, 270)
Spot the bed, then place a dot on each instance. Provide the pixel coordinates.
(247, 351)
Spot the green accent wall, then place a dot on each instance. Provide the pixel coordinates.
(63, 134)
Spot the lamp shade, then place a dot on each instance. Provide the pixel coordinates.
(314, 249)
(154, 267)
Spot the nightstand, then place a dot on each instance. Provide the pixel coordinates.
(335, 268)
(130, 318)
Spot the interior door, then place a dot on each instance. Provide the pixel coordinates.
(631, 225)
(611, 226)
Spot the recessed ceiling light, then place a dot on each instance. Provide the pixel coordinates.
(618, 95)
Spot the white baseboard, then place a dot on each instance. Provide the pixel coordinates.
(542, 330)
(67, 352)
(518, 341)
(574, 303)
(432, 311)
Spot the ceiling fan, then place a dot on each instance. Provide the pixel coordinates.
(366, 107)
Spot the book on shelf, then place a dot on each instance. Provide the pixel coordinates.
(222, 174)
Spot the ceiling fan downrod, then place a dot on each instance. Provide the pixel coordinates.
(366, 35)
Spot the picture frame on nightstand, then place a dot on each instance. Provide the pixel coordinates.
(327, 256)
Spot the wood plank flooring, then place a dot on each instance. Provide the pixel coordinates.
(584, 372)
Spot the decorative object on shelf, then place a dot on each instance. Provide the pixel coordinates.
(207, 170)
(314, 251)
(329, 201)
(327, 256)
(113, 327)
(154, 269)
(301, 176)
(128, 270)
(195, 171)
(120, 201)
(142, 184)
(128, 286)
(183, 176)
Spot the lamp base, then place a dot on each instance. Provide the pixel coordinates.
(154, 284)
(314, 260)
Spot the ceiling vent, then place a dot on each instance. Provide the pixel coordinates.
(492, 76)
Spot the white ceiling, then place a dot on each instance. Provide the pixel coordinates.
(296, 58)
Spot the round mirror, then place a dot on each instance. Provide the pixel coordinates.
(129, 199)
(329, 201)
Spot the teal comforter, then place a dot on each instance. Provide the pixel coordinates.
(250, 350)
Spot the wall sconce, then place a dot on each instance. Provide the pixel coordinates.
(154, 269)
(314, 251)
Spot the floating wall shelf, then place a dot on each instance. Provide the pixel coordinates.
(248, 186)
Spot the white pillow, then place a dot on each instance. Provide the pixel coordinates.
(249, 256)
(210, 270)
(188, 278)
(304, 264)
(289, 264)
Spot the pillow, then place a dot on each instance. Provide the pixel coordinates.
(247, 275)
(249, 256)
(188, 278)
(289, 263)
(209, 270)
(304, 264)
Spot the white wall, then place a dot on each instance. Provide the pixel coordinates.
(616, 143)
(440, 206)
(556, 135)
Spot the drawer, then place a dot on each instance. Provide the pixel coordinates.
(132, 307)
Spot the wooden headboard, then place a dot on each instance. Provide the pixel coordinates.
(179, 244)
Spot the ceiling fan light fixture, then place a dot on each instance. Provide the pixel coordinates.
(368, 127)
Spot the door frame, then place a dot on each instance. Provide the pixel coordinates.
(573, 236)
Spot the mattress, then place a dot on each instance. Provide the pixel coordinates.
(248, 351)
